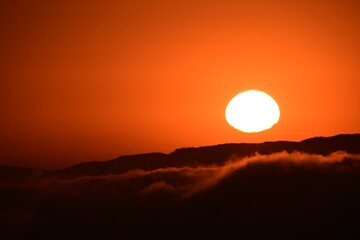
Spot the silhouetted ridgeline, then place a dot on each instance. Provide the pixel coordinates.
(190, 157)
(218, 154)
(193, 193)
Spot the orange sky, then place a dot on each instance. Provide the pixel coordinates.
(92, 80)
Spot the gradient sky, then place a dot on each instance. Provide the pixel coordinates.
(92, 80)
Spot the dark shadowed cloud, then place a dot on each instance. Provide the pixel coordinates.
(242, 190)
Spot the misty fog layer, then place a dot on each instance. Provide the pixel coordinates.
(262, 194)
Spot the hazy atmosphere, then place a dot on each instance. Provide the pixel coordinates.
(93, 80)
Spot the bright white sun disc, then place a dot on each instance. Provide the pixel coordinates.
(252, 111)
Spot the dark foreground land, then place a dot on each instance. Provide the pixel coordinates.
(292, 190)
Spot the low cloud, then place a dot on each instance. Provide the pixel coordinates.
(138, 195)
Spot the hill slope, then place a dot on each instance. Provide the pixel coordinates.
(217, 154)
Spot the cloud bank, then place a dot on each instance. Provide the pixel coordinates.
(261, 190)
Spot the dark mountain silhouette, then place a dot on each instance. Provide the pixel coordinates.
(189, 157)
(276, 195)
(217, 154)
(147, 161)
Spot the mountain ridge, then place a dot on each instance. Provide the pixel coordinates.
(281, 194)
(190, 157)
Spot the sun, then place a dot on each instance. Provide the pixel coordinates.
(252, 111)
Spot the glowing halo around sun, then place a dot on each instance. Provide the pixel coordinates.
(252, 111)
